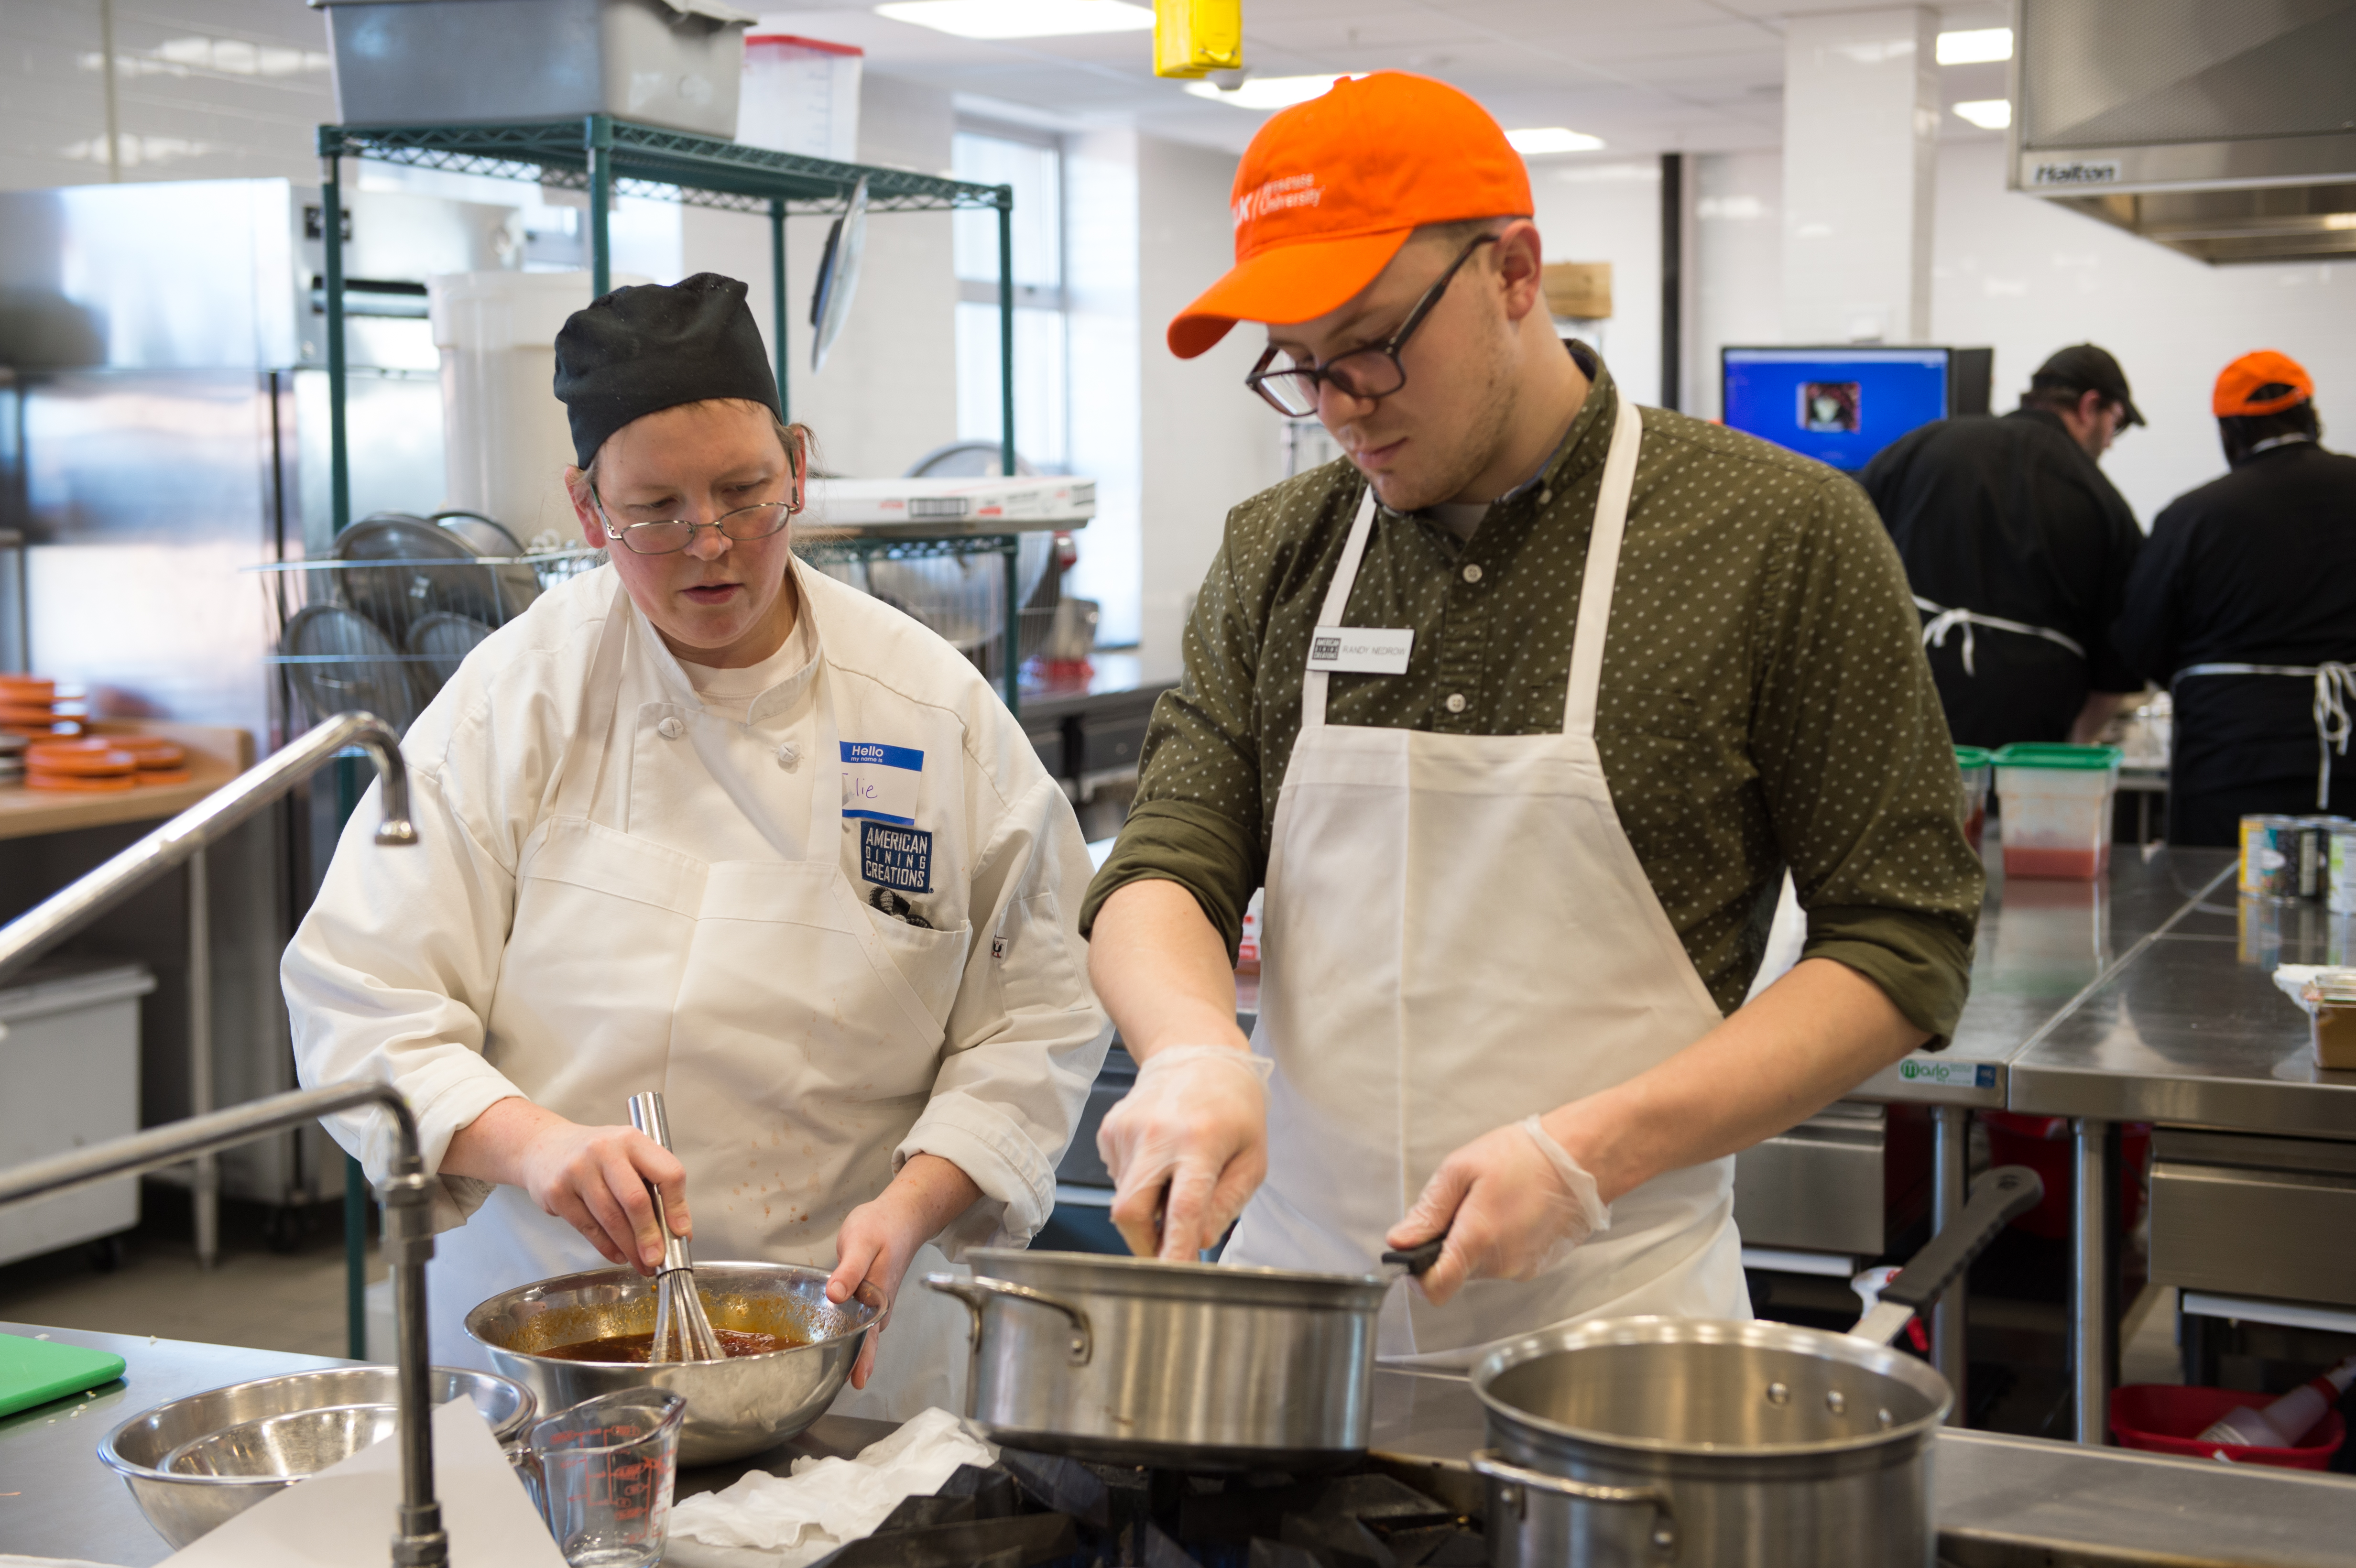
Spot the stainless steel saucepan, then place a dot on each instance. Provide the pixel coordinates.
(1135, 1361)
(1713, 1445)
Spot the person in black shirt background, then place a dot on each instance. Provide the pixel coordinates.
(2018, 550)
(2244, 603)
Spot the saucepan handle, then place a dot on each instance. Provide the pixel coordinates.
(1662, 1537)
(1997, 1198)
(976, 1294)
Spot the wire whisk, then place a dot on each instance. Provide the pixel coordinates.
(682, 1331)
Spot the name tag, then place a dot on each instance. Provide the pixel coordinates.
(1361, 650)
(879, 782)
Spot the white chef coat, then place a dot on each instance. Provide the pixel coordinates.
(397, 972)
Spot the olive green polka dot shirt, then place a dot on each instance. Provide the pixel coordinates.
(1765, 701)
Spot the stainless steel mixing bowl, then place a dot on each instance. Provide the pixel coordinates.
(734, 1407)
(196, 1463)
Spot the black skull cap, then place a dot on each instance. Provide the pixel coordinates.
(642, 349)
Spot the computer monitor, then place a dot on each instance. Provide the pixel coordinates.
(1842, 405)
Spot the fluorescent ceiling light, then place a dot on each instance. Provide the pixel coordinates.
(1021, 19)
(1987, 114)
(1269, 91)
(1977, 47)
(1531, 140)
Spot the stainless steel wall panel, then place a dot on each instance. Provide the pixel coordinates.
(177, 274)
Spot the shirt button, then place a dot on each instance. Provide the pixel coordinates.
(1544, 496)
(789, 756)
(1456, 702)
(1471, 571)
(670, 729)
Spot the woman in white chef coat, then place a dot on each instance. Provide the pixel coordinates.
(705, 822)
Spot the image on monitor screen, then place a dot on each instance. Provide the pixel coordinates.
(1839, 406)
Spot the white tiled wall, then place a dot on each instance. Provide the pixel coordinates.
(1611, 211)
(205, 90)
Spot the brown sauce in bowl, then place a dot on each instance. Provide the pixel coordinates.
(639, 1348)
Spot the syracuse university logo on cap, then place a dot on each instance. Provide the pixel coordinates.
(1278, 196)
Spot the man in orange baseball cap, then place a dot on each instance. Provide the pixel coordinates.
(2243, 604)
(1516, 876)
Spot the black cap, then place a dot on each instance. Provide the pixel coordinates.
(640, 350)
(2082, 367)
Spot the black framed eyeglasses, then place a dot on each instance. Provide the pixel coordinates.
(669, 536)
(1374, 371)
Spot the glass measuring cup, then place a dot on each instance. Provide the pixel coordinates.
(602, 1473)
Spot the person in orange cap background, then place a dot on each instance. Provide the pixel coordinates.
(2244, 604)
(1518, 873)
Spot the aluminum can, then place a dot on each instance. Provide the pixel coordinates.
(2341, 882)
(2270, 856)
(2313, 855)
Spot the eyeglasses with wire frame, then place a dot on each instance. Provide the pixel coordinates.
(1371, 372)
(669, 536)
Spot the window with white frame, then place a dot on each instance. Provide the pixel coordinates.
(1031, 161)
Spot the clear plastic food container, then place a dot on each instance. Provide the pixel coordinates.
(2056, 802)
(2331, 998)
(1977, 766)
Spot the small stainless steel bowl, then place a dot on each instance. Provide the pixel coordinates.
(736, 1407)
(196, 1463)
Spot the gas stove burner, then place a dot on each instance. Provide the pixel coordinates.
(1043, 1510)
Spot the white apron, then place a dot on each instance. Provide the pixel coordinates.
(757, 996)
(1457, 934)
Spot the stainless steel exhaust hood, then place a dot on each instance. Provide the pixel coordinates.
(2225, 129)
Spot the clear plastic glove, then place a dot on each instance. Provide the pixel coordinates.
(1186, 1146)
(1513, 1205)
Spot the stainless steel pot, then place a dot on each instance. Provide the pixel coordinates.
(1719, 1445)
(1132, 1361)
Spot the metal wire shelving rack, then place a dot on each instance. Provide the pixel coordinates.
(606, 157)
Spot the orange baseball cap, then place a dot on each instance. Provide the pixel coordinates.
(2265, 382)
(1330, 189)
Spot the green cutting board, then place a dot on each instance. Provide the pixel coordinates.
(34, 1371)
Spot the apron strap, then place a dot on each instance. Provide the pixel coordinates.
(1603, 570)
(581, 766)
(2335, 685)
(1945, 620)
(1337, 600)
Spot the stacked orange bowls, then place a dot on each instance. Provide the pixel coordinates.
(28, 706)
(101, 764)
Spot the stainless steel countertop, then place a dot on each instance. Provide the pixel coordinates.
(2041, 945)
(2194, 1032)
(2113, 1506)
(56, 1499)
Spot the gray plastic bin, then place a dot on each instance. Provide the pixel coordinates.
(674, 63)
(69, 1078)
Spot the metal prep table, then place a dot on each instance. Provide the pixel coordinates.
(2254, 1146)
(2001, 1501)
(2043, 947)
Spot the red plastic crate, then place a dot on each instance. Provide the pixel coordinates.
(2163, 1419)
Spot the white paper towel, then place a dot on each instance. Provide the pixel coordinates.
(343, 1517)
(781, 1521)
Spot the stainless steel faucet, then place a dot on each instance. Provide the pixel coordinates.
(419, 1540)
(68, 910)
